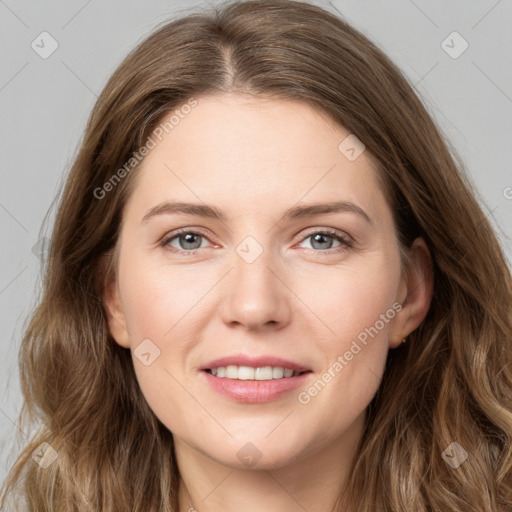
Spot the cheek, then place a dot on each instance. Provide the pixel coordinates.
(159, 296)
(160, 301)
(347, 299)
(157, 309)
(357, 306)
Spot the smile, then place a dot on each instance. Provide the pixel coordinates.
(249, 385)
(250, 373)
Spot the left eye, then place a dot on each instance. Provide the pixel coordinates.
(189, 241)
(319, 237)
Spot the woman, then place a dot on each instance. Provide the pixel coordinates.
(337, 337)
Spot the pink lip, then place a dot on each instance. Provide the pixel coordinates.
(254, 391)
(254, 362)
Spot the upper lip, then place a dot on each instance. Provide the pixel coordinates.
(254, 362)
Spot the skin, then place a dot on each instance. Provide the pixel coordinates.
(253, 158)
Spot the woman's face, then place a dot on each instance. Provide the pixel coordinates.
(264, 279)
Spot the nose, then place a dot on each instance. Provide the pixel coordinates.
(256, 294)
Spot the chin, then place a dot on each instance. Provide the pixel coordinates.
(257, 455)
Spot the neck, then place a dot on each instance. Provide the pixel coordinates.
(311, 483)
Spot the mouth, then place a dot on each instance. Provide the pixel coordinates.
(260, 373)
(254, 380)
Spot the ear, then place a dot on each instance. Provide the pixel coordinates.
(415, 293)
(115, 315)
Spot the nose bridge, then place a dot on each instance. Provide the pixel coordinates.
(252, 265)
(253, 261)
(254, 294)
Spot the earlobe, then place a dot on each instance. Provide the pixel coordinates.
(418, 285)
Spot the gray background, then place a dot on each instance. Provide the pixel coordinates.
(45, 104)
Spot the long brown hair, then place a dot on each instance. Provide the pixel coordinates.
(452, 381)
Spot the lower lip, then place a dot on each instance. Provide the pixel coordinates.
(254, 391)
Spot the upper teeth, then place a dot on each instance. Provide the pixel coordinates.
(249, 373)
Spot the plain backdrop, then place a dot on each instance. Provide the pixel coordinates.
(45, 101)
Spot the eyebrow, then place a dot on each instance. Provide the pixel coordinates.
(295, 212)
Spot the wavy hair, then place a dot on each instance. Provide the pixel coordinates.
(452, 382)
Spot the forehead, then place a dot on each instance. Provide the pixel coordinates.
(245, 149)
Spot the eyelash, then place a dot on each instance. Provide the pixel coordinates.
(346, 242)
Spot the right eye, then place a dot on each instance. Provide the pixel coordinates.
(187, 239)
